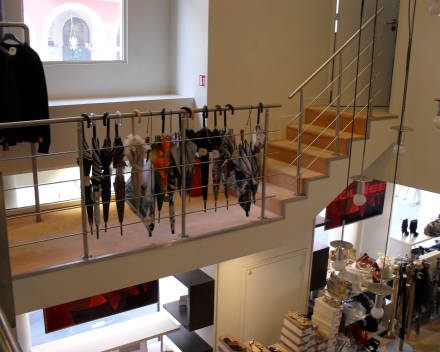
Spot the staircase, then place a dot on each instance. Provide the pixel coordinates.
(317, 132)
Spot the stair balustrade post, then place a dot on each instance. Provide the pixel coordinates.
(370, 112)
(263, 189)
(298, 165)
(35, 179)
(84, 179)
(338, 105)
(183, 190)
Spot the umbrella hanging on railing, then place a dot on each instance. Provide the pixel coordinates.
(229, 149)
(190, 153)
(87, 166)
(135, 151)
(176, 156)
(204, 146)
(119, 165)
(96, 178)
(160, 156)
(241, 182)
(216, 159)
(106, 156)
(172, 179)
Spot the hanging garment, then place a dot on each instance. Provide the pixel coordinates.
(227, 153)
(32, 96)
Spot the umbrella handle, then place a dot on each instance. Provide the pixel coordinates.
(191, 114)
(92, 115)
(260, 109)
(163, 121)
(180, 123)
(133, 130)
(233, 112)
(87, 118)
(118, 121)
(205, 115)
(105, 122)
(242, 136)
(215, 115)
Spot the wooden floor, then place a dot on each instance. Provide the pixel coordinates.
(25, 258)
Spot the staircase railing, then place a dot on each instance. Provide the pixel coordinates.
(337, 100)
(8, 342)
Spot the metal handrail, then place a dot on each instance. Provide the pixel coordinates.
(8, 342)
(337, 77)
(353, 37)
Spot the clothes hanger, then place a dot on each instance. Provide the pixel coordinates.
(11, 36)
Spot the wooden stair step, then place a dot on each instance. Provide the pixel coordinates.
(325, 139)
(275, 204)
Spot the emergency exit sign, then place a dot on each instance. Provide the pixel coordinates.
(202, 81)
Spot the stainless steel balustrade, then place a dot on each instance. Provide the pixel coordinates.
(337, 80)
(8, 342)
(80, 127)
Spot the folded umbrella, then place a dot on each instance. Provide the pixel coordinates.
(190, 153)
(255, 168)
(96, 179)
(119, 184)
(216, 160)
(241, 181)
(204, 147)
(106, 155)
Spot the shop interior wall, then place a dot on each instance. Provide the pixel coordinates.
(231, 289)
(262, 51)
(419, 167)
(189, 50)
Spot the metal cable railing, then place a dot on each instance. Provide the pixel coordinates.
(338, 81)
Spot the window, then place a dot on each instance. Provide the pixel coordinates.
(89, 30)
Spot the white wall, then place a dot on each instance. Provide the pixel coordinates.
(189, 49)
(263, 50)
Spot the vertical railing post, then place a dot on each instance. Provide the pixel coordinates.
(371, 94)
(6, 290)
(338, 105)
(35, 179)
(183, 190)
(83, 178)
(263, 190)
(298, 165)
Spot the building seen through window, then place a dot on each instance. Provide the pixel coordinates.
(84, 30)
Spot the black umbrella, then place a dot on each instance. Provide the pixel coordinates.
(87, 166)
(119, 165)
(190, 152)
(204, 147)
(106, 156)
(216, 159)
(96, 178)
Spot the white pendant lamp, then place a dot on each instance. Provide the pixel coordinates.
(359, 199)
(399, 149)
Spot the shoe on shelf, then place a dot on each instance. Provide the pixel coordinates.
(405, 228)
(413, 228)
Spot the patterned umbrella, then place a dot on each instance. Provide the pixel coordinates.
(216, 160)
(204, 145)
(96, 178)
(258, 143)
(228, 151)
(255, 168)
(241, 181)
(191, 150)
(119, 165)
(160, 156)
(106, 156)
(171, 189)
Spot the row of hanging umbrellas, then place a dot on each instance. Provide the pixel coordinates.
(156, 169)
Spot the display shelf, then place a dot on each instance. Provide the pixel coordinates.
(402, 245)
(114, 337)
(179, 313)
(199, 311)
(189, 341)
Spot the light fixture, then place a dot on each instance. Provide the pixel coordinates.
(399, 149)
(341, 246)
(437, 118)
(359, 199)
(434, 8)
(73, 41)
(380, 290)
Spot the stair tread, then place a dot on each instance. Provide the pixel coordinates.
(279, 192)
(290, 170)
(314, 151)
(313, 129)
(349, 113)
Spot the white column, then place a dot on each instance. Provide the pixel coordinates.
(24, 332)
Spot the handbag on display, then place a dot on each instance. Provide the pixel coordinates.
(364, 261)
(354, 278)
(353, 311)
(339, 287)
(376, 273)
(388, 267)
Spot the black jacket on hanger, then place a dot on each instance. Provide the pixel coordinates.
(32, 95)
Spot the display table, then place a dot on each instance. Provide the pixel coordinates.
(402, 245)
(113, 337)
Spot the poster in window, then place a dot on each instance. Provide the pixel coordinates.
(343, 207)
(100, 306)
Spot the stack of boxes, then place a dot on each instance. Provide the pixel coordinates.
(328, 319)
(298, 338)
